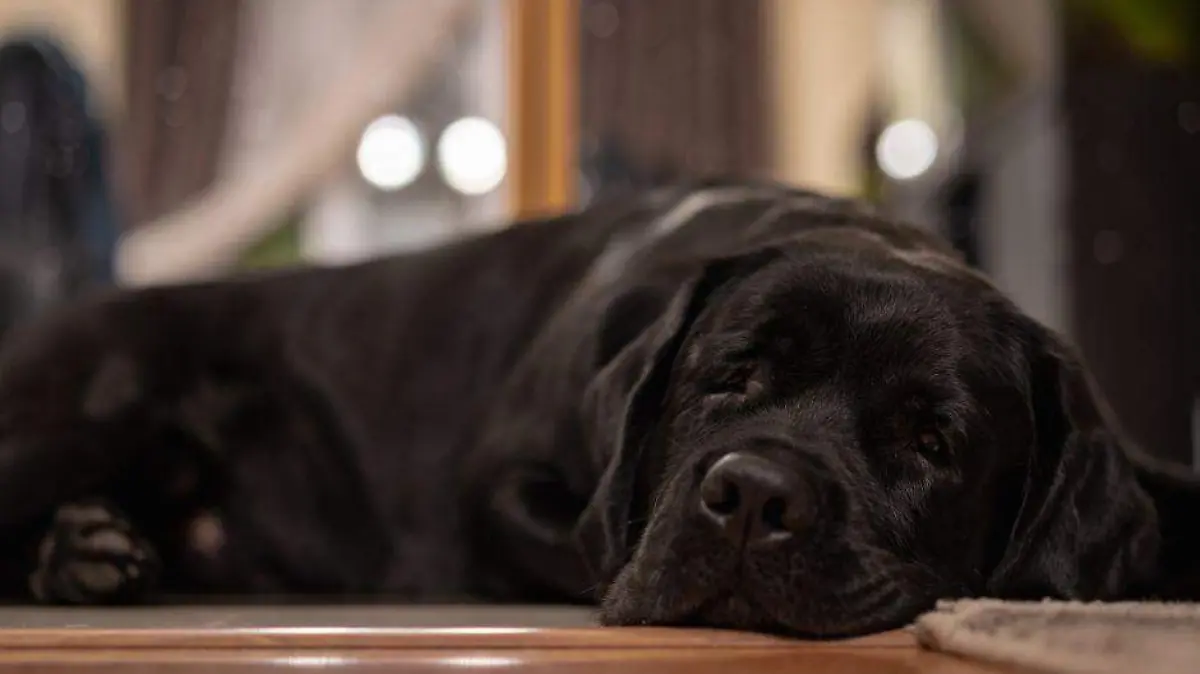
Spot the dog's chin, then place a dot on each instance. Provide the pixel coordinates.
(733, 612)
(787, 614)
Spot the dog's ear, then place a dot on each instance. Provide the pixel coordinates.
(640, 339)
(1085, 528)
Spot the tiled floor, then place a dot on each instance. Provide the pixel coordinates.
(416, 639)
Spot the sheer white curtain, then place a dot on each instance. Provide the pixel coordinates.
(303, 98)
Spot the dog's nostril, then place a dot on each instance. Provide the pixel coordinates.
(720, 496)
(773, 513)
(787, 515)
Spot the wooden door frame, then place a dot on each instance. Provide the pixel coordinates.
(543, 53)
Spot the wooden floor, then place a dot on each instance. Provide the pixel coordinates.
(442, 639)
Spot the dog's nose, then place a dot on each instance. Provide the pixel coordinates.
(754, 500)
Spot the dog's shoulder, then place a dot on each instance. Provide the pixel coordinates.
(705, 220)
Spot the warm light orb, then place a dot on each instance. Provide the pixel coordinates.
(391, 152)
(906, 149)
(472, 156)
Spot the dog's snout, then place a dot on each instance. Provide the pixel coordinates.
(754, 500)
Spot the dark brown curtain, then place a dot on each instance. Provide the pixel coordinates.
(676, 86)
(179, 56)
(1133, 218)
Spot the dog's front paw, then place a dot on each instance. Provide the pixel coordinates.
(91, 555)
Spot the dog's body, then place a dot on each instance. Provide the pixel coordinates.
(506, 418)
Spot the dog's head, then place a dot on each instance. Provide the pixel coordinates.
(823, 438)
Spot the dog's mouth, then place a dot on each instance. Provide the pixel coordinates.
(733, 611)
(735, 606)
(730, 610)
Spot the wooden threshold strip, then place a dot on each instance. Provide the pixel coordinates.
(440, 638)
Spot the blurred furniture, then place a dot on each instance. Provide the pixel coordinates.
(1133, 222)
(58, 225)
(179, 58)
(675, 88)
(92, 32)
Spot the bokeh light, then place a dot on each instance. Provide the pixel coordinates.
(391, 152)
(472, 156)
(906, 149)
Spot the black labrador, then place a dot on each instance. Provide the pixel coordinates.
(736, 405)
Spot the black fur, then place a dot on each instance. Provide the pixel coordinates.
(525, 416)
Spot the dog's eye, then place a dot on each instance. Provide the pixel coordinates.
(929, 442)
(739, 390)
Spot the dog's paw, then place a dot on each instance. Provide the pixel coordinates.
(91, 555)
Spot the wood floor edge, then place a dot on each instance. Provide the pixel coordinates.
(304, 638)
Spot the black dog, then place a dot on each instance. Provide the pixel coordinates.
(734, 405)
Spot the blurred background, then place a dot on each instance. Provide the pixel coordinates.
(1057, 143)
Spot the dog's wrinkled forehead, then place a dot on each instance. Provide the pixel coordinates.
(844, 307)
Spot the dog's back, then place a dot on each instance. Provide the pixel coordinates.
(296, 431)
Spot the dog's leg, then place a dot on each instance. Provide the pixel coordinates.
(53, 448)
(75, 416)
(93, 555)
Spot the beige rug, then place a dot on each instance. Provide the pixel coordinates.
(1147, 638)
